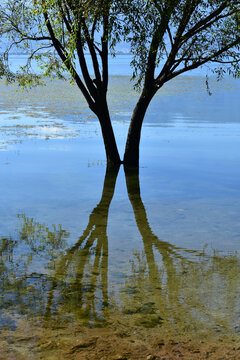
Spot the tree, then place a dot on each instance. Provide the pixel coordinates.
(179, 35)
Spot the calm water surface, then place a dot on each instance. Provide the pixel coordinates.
(84, 246)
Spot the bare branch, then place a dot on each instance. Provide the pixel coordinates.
(212, 58)
(66, 60)
(204, 24)
(92, 50)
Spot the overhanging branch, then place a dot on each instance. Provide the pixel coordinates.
(211, 58)
(67, 62)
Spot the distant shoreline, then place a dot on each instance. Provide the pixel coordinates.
(25, 53)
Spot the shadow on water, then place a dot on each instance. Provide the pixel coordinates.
(168, 287)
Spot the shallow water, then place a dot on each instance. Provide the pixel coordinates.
(83, 248)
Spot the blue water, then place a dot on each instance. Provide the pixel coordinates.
(52, 168)
(118, 65)
(189, 146)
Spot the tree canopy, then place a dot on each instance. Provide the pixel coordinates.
(166, 37)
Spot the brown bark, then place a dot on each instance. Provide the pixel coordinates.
(111, 149)
(131, 155)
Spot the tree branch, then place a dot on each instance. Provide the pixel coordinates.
(64, 57)
(156, 40)
(83, 65)
(66, 21)
(211, 58)
(92, 51)
(203, 25)
(104, 53)
(207, 19)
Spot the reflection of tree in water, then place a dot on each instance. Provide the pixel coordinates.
(87, 262)
(188, 288)
(23, 281)
(78, 280)
(168, 284)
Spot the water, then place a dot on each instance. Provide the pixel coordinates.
(86, 252)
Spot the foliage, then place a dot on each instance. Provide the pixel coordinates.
(57, 34)
(181, 34)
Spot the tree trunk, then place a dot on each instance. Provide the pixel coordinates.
(111, 149)
(131, 155)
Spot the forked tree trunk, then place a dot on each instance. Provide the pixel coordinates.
(131, 155)
(111, 149)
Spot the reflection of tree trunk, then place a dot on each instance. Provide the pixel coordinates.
(174, 297)
(97, 223)
(150, 240)
(133, 188)
(92, 244)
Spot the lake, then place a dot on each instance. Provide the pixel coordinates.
(99, 264)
